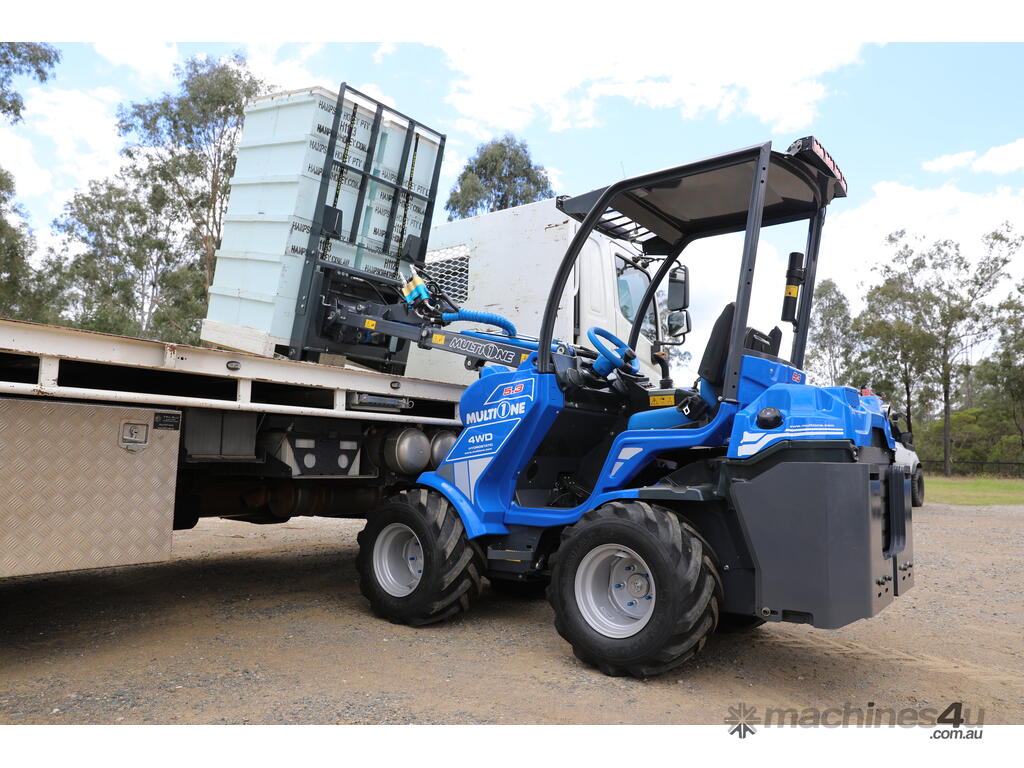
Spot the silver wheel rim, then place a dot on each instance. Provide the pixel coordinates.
(615, 591)
(398, 560)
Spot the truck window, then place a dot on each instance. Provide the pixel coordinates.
(632, 283)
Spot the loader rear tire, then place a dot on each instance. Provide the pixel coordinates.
(634, 589)
(415, 564)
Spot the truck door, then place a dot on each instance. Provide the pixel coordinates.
(630, 285)
(610, 290)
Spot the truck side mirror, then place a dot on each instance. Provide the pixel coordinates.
(678, 288)
(678, 323)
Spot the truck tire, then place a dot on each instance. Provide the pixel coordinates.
(415, 564)
(634, 590)
(917, 488)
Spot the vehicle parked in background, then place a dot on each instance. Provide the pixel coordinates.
(907, 456)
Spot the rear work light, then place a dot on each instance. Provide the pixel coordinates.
(812, 150)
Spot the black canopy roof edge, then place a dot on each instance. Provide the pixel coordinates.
(635, 214)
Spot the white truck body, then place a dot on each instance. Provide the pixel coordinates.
(97, 433)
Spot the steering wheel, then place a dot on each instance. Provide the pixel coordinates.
(609, 360)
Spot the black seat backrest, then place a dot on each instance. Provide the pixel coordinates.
(716, 354)
(757, 341)
(712, 365)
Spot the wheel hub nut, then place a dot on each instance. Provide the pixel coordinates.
(638, 585)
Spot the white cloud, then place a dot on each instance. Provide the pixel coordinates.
(1005, 158)
(82, 125)
(19, 160)
(474, 128)
(854, 240)
(555, 175)
(288, 73)
(947, 163)
(853, 243)
(373, 91)
(68, 138)
(703, 77)
(1002, 159)
(451, 167)
(153, 63)
(385, 49)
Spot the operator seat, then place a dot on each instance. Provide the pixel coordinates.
(708, 386)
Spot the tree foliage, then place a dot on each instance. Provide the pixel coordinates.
(894, 351)
(188, 140)
(1003, 371)
(127, 237)
(830, 341)
(500, 175)
(36, 60)
(914, 339)
(24, 292)
(948, 303)
(16, 244)
(137, 250)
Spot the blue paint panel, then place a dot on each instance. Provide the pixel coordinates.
(669, 417)
(509, 412)
(808, 412)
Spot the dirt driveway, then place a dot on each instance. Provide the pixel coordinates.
(266, 625)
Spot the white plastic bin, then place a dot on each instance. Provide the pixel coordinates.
(281, 158)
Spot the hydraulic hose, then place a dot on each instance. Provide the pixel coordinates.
(469, 315)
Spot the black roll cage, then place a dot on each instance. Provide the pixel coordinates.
(761, 154)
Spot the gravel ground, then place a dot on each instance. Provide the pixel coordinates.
(255, 624)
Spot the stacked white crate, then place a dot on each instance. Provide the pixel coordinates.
(274, 188)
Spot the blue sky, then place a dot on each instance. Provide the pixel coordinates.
(930, 136)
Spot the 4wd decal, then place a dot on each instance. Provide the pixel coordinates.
(483, 440)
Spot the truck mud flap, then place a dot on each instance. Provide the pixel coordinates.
(827, 539)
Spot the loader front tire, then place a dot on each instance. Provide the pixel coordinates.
(415, 564)
(634, 589)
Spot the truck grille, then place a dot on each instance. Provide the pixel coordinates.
(450, 267)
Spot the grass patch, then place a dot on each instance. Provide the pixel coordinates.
(973, 491)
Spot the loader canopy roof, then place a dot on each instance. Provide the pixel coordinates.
(712, 196)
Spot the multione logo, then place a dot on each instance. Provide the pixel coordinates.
(501, 411)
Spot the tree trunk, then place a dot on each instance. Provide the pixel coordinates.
(910, 421)
(947, 464)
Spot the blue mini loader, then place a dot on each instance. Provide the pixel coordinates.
(653, 515)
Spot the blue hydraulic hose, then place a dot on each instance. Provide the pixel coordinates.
(469, 315)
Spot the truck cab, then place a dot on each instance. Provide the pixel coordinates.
(503, 262)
